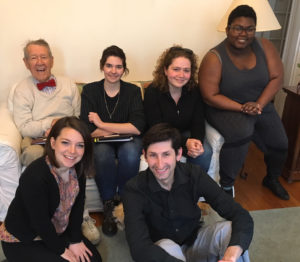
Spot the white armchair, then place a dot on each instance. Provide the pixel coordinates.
(216, 141)
(10, 168)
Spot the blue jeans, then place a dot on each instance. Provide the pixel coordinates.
(111, 175)
(204, 159)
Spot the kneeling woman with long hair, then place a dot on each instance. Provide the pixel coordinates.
(43, 222)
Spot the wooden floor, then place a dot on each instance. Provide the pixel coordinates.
(98, 217)
(249, 192)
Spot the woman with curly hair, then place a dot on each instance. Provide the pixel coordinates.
(173, 97)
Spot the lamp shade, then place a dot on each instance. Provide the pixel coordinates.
(266, 19)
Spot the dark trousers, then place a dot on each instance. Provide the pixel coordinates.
(36, 251)
(239, 129)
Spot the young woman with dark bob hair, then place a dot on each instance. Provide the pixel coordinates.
(112, 106)
(43, 222)
(173, 97)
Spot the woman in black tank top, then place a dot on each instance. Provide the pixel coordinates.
(238, 80)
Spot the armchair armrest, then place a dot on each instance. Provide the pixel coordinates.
(9, 134)
(10, 169)
(216, 141)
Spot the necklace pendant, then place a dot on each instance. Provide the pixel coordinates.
(106, 106)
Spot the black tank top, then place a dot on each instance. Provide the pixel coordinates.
(243, 85)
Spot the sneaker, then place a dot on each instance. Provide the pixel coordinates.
(109, 226)
(90, 231)
(276, 188)
(229, 191)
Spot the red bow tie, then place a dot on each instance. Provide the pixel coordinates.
(42, 85)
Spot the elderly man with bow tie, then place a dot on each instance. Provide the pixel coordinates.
(41, 99)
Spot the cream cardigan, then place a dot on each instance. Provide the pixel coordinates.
(34, 110)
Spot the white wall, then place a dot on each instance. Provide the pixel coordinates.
(291, 55)
(78, 31)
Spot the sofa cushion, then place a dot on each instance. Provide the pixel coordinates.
(140, 84)
(10, 99)
(9, 173)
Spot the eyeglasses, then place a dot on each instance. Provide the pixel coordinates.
(237, 29)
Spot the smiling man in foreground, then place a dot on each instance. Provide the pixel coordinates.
(162, 218)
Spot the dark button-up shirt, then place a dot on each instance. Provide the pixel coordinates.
(153, 213)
